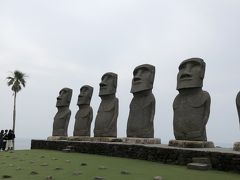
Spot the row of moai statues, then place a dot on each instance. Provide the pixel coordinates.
(142, 107)
(191, 106)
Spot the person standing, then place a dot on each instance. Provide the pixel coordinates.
(10, 138)
(4, 139)
(1, 139)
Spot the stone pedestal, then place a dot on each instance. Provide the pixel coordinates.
(236, 146)
(57, 138)
(142, 140)
(79, 138)
(106, 139)
(191, 144)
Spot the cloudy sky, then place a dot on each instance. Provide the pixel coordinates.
(70, 43)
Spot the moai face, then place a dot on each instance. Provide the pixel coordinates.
(64, 98)
(191, 73)
(85, 95)
(108, 84)
(143, 78)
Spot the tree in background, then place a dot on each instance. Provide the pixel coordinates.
(16, 81)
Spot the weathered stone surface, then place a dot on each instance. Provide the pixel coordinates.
(202, 160)
(236, 146)
(77, 173)
(198, 166)
(142, 140)
(67, 150)
(106, 119)
(106, 139)
(84, 116)
(61, 119)
(125, 172)
(142, 107)
(191, 144)
(158, 178)
(56, 138)
(192, 104)
(98, 178)
(6, 177)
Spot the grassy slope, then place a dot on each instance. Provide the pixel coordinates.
(34, 160)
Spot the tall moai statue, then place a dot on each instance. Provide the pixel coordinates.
(142, 106)
(84, 115)
(106, 120)
(192, 105)
(238, 105)
(61, 119)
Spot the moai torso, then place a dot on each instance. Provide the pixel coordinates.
(191, 112)
(192, 104)
(61, 121)
(84, 115)
(83, 120)
(140, 120)
(142, 106)
(106, 119)
(62, 117)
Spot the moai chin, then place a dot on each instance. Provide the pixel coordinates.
(238, 105)
(192, 105)
(106, 119)
(62, 117)
(84, 115)
(142, 106)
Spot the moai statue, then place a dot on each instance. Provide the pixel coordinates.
(106, 120)
(61, 119)
(192, 105)
(238, 105)
(142, 106)
(84, 116)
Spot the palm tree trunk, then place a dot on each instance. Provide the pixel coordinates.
(14, 114)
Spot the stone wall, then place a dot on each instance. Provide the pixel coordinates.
(221, 159)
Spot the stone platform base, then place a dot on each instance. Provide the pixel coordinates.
(79, 138)
(142, 140)
(236, 146)
(191, 144)
(57, 138)
(106, 139)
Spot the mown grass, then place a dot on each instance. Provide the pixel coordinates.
(20, 165)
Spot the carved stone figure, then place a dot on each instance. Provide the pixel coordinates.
(142, 106)
(192, 105)
(238, 105)
(84, 116)
(61, 119)
(106, 120)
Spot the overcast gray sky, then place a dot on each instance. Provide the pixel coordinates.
(70, 43)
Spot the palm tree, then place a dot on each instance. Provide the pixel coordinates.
(16, 81)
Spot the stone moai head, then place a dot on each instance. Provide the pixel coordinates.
(191, 73)
(143, 78)
(85, 95)
(108, 84)
(64, 98)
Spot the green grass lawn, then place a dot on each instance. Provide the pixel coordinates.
(21, 165)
